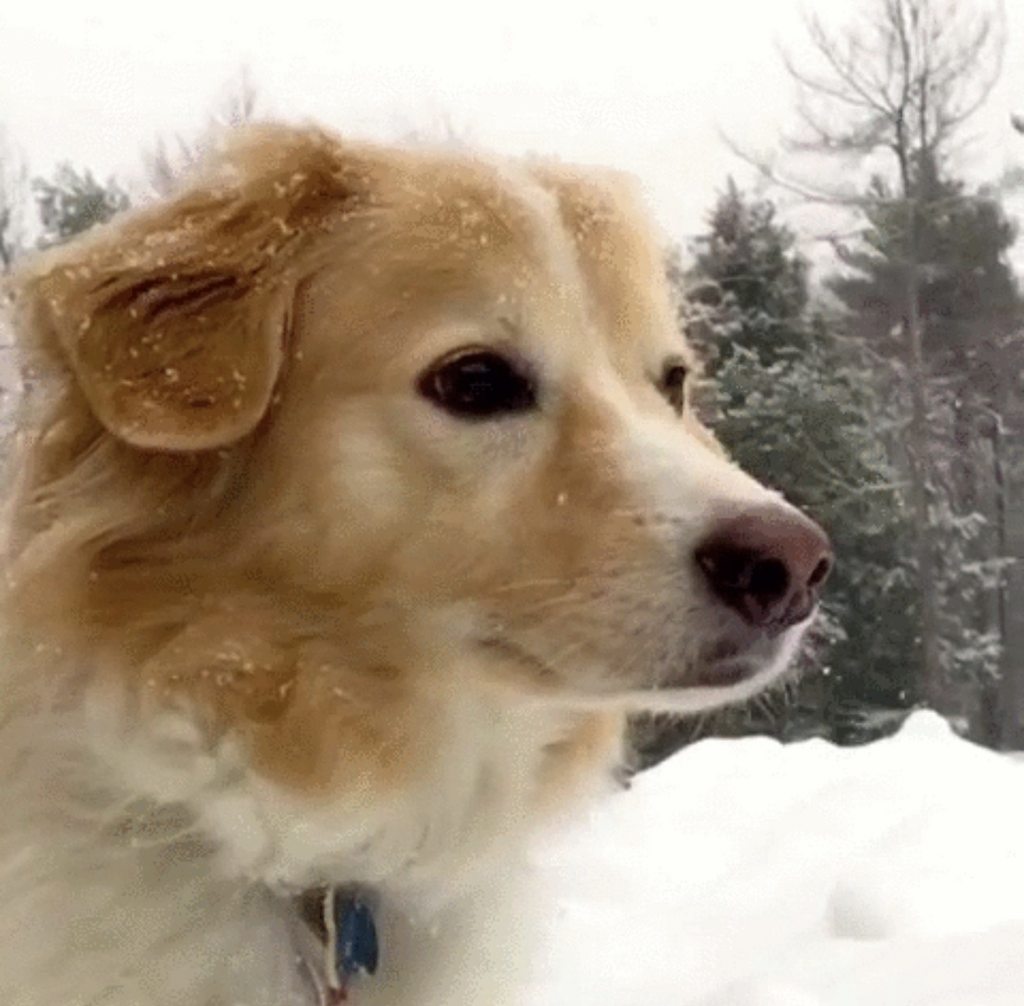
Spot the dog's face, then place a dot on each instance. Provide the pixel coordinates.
(465, 408)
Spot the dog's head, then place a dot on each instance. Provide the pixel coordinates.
(439, 394)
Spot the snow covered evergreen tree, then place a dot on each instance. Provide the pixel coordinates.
(969, 310)
(926, 287)
(72, 202)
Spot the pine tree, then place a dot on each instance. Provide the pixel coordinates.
(896, 89)
(72, 202)
(968, 314)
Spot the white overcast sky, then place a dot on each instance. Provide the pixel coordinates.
(639, 84)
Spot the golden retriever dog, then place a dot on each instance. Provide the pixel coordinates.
(358, 496)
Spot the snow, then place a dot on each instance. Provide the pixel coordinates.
(749, 873)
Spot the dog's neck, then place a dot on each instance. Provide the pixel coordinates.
(480, 767)
(450, 788)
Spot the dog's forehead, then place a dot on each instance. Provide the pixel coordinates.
(619, 254)
(467, 203)
(580, 229)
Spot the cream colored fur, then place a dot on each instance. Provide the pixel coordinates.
(272, 620)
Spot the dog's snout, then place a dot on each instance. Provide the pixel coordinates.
(768, 565)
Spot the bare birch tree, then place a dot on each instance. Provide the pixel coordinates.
(894, 92)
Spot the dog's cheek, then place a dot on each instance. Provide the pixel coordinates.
(366, 485)
(331, 498)
(368, 504)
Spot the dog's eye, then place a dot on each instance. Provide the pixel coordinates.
(477, 383)
(673, 384)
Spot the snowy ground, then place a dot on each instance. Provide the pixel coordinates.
(745, 873)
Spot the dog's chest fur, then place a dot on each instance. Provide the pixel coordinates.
(466, 804)
(178, 865)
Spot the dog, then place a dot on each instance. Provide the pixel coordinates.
(358, 497)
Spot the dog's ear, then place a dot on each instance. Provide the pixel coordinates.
(173, 320)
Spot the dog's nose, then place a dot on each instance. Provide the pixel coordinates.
(768, 564)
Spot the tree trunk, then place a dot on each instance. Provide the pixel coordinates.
(918, 453)
(918, 458)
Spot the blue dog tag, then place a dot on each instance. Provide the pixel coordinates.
(352, 945)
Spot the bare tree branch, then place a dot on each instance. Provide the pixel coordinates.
(900, 83)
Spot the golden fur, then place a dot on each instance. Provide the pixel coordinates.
(234, 514)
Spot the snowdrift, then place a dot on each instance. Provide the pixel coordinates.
(748, 873)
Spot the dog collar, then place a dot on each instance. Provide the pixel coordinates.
(337, 941)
